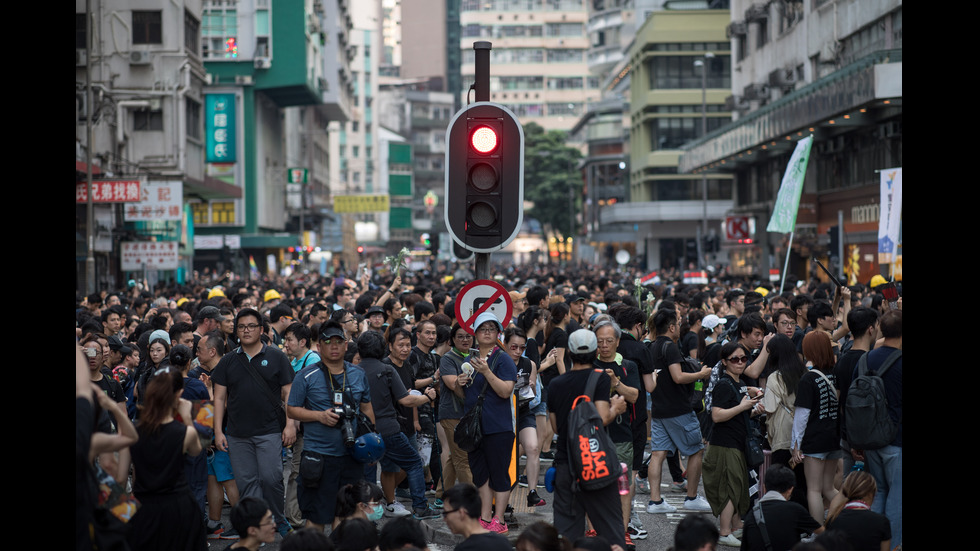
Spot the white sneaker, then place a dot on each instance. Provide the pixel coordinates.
(396, 509)
(729, 540)
(697, 504)
(662, 507)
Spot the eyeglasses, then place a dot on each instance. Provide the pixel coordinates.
(446, 513)
(606, 341)
(488, 329)
(249, 327)
(348, 320)
(518, 347)
(464, 336)
(738, 359)
(787, 323)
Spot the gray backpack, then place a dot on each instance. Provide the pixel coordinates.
(869, 427)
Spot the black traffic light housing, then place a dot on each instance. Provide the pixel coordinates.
(484, 177)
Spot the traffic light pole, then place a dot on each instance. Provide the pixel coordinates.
(481, 88)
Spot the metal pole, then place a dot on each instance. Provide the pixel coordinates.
(89, 206)
(482, 93)
(840, 245)
(482, 70)
(789, 247)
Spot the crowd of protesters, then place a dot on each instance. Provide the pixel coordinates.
(691, 373)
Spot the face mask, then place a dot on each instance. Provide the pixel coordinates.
(377, 513)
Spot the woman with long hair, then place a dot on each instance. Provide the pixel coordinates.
(785, 371)
(527, 434)
(851, 514)
(553, 365)
(169, 518)
(726, 484)
(816, 431)
(455, 466)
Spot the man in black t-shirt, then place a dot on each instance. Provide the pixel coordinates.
(603, 505)
(461, 511)
(784, 520)
(863, 323)
(674, 426)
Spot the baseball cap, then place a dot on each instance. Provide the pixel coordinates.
(582, 341)
(375, 310)
(329, 332)
(573, 297)
(160, 334)
(515, 296)
(210, 312)
(115, 343)
(711, 321)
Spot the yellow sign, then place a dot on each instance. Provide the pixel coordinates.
(360, 203)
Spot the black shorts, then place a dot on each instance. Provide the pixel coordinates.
(318, 504)
(495, 461)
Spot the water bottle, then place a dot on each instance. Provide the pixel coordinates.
(624, 481)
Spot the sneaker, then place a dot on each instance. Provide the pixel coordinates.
(230, 534)
(590, 533)
(430, 488)
(534, 500)
(396, 509)
(522, 481)
(214, 529)
(642, 485)
(437, 504)
(484, 524)
(737, 533)
(283, 528)
(636, 531)
(680, 487)
(630, 546)
(425, 513)
(729, 540)
(662, 507)
(549, 455)
(497, 526)
(697, 504)
(403, 493)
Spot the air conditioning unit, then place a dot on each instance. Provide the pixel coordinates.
(139, 57)
(263, 62)
(736, 28)
(736, 103)
(782, 78)
(243, 80)
(756, 91)
(81, 57)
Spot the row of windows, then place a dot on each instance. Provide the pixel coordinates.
(521, 5)
(673, 132)
(475, 30)
(511, 83)
(689, 190)
(213, 212)
(529, 55)
(672, 72)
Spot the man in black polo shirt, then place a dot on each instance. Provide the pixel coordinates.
(253, 380)
(784, 520)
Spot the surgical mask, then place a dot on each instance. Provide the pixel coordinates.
(377, 513)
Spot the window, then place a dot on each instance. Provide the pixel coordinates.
(200, 213)
(565, 83)
(147, 27)
(147, 119)
(223, 212)
(81, 40)
(219, 31)
(192, 34)
(193, 113)
(672, 72)
(762, 38)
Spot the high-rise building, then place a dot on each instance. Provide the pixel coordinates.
(827, 69)
(538, 66)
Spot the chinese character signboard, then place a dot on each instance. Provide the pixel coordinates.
(220, 127)
(155, 255)
(159, 201)
(109, 191)
(360, 203)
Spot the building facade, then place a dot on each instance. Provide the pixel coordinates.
(821, 68)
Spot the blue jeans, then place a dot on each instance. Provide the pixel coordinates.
(886, 466)
(399, 451)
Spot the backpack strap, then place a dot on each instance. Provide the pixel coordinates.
(826, 380)
(760, 521)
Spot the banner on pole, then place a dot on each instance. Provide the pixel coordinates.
(890, 216)
(788, 200)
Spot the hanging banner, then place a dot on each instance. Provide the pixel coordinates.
(890, 214)
(788, 200)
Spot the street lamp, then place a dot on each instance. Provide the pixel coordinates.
(703, 64)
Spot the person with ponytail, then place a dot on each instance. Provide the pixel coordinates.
(851, 514)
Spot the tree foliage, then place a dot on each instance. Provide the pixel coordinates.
(550, 175)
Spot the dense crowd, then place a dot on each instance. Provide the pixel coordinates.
(328, 403)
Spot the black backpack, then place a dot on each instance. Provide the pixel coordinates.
(591, 452)
(869, 427)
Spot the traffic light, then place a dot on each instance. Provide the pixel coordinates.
(484, 177)
(434, 245)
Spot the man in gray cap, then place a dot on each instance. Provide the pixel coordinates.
(208, 319)
(603, 505)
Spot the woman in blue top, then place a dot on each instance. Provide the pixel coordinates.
(494, 462)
